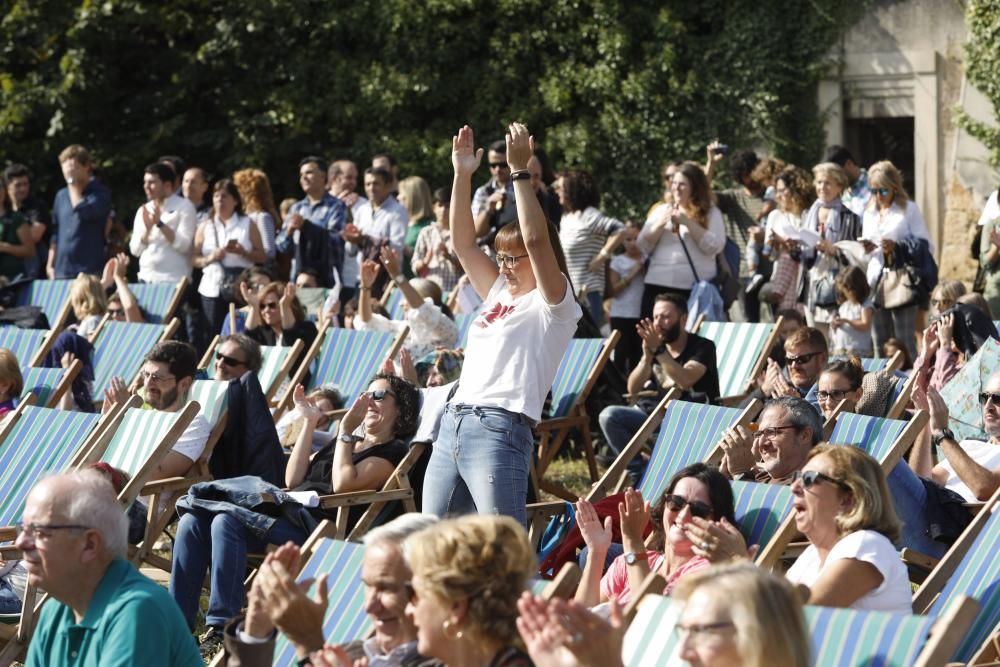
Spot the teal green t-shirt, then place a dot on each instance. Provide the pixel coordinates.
(131, 620)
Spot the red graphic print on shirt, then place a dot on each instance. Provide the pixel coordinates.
(498, 312)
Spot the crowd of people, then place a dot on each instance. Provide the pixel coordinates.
(838, 256)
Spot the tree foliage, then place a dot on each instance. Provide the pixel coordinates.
(614, 86)
(982, 66)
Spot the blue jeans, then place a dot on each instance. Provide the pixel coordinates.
(595, 302)
(910, 499)
(480, 463)
(205, 538)
(619, 423)
(9, 602)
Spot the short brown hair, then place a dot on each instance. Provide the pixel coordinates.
(810, 336)
(278, 290)
(78, 153)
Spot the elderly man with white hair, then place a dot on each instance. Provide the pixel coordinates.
(103, 611)
(276, 600)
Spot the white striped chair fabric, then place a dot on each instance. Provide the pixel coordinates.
(738, 346)
(24, 343)
(212, 396)
(155, 300)
(49, 295)
(137, 437)
(119, 350)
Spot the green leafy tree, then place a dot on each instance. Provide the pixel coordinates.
(982, 66)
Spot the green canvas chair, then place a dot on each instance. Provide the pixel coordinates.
(119, 350)
(741, 350)
(29, 345)
(49, 385)
(158, 301)
(277, 364)
(52, 296)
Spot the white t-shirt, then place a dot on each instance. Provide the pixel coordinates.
(514, 349)
(985, 454)
(192, 441)
(629, 302)
(868, 546)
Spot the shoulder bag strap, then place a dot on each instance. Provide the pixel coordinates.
(688, 255)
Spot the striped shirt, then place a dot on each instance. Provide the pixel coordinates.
(583, 234)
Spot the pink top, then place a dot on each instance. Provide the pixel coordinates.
(944, 369)
(614, 583)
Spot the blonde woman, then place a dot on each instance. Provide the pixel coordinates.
(693, 222)
(415, 196)
(258, 204)
(89, 303)
(468, 574)
(842, 504)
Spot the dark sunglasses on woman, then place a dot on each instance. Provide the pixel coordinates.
(380, 394)
(698, 508)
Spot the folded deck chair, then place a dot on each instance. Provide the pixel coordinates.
(119, 350)
(741, 350)
(52, 296)
(277, 364)
(28, 345)
(49, 385)
(158, 301)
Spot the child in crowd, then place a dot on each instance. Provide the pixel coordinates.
(89, 303)
(625, 289)
(894, 345)
(852, 325)
(328, 400)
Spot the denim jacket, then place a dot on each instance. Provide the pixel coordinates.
(252, 501)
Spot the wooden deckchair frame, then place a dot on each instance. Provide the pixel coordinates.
(169, 329)
(284, 371)
(758, 366)
(65, 382)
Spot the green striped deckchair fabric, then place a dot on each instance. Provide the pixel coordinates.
(854, 638)
(41, 441)
(760, 509)
(212, 396)
(273, 357)
(119, 350)
(41, 381)
(464, 322)
(688, 434)
(137, 437)
(738, 346)
(24, 343)
(154, 300)
(874, 435)
(348, 359)
(49, 295)
(394, 304)
(345, 618)
(977, 576)
(650, 640)
(572, 373)
(871, 365)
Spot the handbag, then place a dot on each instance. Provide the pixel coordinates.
(896, 288)
(705, 298)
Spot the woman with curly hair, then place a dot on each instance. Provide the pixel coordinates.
(217, 535)
(468, 574)
(258, 204)
(588, 236)
(690, 226)
(794, 193)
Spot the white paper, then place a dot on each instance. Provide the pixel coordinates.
(305, 498)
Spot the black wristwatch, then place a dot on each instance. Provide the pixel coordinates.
(943, 434)
(351, 439)
(160, 224)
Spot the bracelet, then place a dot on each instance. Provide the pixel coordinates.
(399, 279)
(364, 289)
(520, 175)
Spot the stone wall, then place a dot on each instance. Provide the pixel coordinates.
(962, 209)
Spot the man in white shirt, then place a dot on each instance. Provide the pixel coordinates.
(163, 230)
(343, 184)
(379, 220)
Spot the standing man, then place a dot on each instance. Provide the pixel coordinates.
(18, 179)
(380, 220)
(343, 176)
(74, 544)
(858, 192)
(193, 187)
(79, 214)
(163, 229)
(388, 162)
(312, 230)
(493, 204)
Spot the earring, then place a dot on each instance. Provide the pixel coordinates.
(447, 626)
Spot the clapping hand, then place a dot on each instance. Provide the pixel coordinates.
(287, 296)
(717, 541)
(595, 535)
(564, 633)
(945, 327)
(737, 447)
(351, 233)
(390, 260)
(651, 336)
(352, 420)
(634, 515)
(250, 296)
(150, 216)
(465, 157)
(306, 407)
(287, 602)
(938, 409)
(369, 272)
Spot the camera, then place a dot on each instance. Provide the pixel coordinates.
(721, 149)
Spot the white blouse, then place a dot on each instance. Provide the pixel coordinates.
(668, 266)
(218, 234)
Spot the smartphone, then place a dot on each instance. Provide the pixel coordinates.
(721, 149)
(232, 244)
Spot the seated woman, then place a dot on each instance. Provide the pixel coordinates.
(843, 506)
(122, 304)
(430, 326)
(695, 491)
(216, 535)
(467, 576)
(326, 400)
(871, 394)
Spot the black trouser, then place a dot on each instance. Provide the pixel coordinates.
(628, 351)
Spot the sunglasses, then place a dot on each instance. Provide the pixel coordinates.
(802, 358)
(270, 305)
(229, 361)
(884, 192)
(499, 165)
(698, 508)
(116, 312)
(510, 261)
(810, 478)
(836, 394)
(380, 394)
(986, 396)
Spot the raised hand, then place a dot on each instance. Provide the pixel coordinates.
(543, 640)
(249, 295)
(945, 327)
(737, 447)
(390, 260)
(465, 157)
(596, 535)
(121, 268)
(651, 337)
(290, 608)
(938, 409)
(634, 514)
(304, 405)
(352, 420)
(931, 343)
(717, 541)
(520, 146)
(712, 155)
(288, 295)
(369, 272)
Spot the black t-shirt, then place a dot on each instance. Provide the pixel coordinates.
(697, 349)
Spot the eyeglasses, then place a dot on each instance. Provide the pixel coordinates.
(836, 394)
(942, 303)
(772, 431)
(116, 312)
(380, 394)
(884, 192)
(699, 509)
(811, 477)
(154, 378)
(229, 361)
(986, 396)
(38, 531)
(510, 261)
(270, 305)
(697, 631)
(499, 165)
(801, 359)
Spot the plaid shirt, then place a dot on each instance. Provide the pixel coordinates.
(329, 214)
(785, 281)
(856, 197)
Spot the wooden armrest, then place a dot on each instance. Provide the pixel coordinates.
(171, 484)
(363, 497)
(10, 552)
(559, 422)
(921, 560)
(549, 508)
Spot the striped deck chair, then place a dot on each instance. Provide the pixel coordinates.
(344, 358)
(838, 637)
(970, 568)
(741, 350)
(579, 370)
(996, 323)
(312, 299)
(277, 364)
(392, 301)
(120, 347)
(52, 296)
(49, 385)
(158, 301)
(689, 433)
(464, 322)
(760, 510)
(28, 345)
